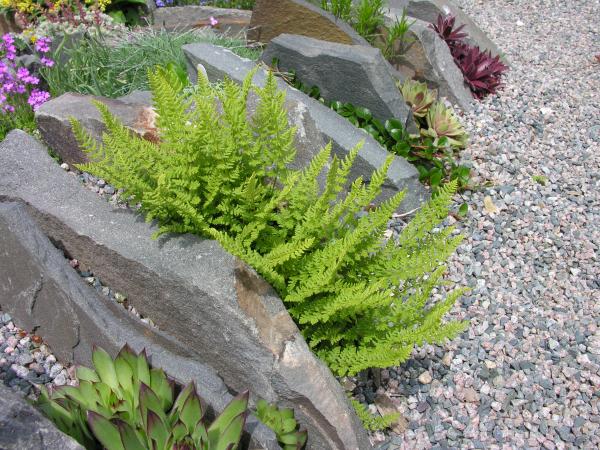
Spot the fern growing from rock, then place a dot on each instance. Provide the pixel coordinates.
(361, 300)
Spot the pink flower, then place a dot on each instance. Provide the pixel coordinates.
(37, 98)
(46, 61)
(8, 39)
(25, 77)
(43, 44)
(213, 22)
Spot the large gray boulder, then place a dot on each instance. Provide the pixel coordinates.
(428, 11)
(270, 18)
(428, 59)
(22, 427)
(355, 74)
(40, 289)
(220, 63)
(200, 297)
(52, 119)
(182, 18)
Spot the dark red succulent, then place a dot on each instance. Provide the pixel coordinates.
(445, 28)
(481, 70)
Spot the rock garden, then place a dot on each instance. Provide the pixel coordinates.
(324, 224)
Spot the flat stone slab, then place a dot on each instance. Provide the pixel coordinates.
(220, 63)
(182, 18)
(40, 289)
(428, 11)
(207, 301)
(429, 59)
(355, 74)
(270, 18)
(52, 119)
(22, 427)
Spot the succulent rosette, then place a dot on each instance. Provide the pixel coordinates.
(442, 122)
(418, 96)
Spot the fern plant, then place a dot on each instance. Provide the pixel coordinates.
(361, 300)
(370, 421)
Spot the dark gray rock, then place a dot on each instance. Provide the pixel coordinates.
(355, 74)
(137, 98)
(22, 427)
(43, 293)
(203, 300)
(428, 11)
(52, 119)
(428, 59)
(270, 18)
(219, 63)
(180, 18)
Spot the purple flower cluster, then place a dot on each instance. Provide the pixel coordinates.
(17, 83)
(163, 3)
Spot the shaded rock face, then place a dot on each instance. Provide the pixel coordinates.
(52, 119)
(344, 136)
(428, 59)
(428, 11)
(41, 290)
(180, 18)
(349, 73)
(22, 427)
(214, 310)
(270, 18)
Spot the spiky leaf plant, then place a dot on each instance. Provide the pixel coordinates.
(444, 27)
(361, 300)
(442, 122)
(482, 71)
(283, 424)
(417, 95)
(123, 404)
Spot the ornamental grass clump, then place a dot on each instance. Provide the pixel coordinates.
(361, 300)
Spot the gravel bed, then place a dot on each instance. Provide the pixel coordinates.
(527, 372)
(26, 363)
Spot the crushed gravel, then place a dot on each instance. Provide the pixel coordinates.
(527, 372)
(26, 362)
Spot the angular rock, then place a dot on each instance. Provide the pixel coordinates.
(428, 11)
(220, 63)
(8, 24)
(349, 73)
(22, 427)
(270, 18)
(201, 298)
(428, 59)
(53, 117)
(43, 293)
(180, 18)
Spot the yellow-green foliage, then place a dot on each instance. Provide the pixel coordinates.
(360, 300)
(371, 422)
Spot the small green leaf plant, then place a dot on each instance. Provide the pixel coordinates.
(367, 17)
(123, 404)
(397, 40)
(360, 299)
(370, 421)
(283, 424)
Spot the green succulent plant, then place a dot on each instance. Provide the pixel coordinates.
(442, 122)
(283, 424)
(418, 96)
(123, 404)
